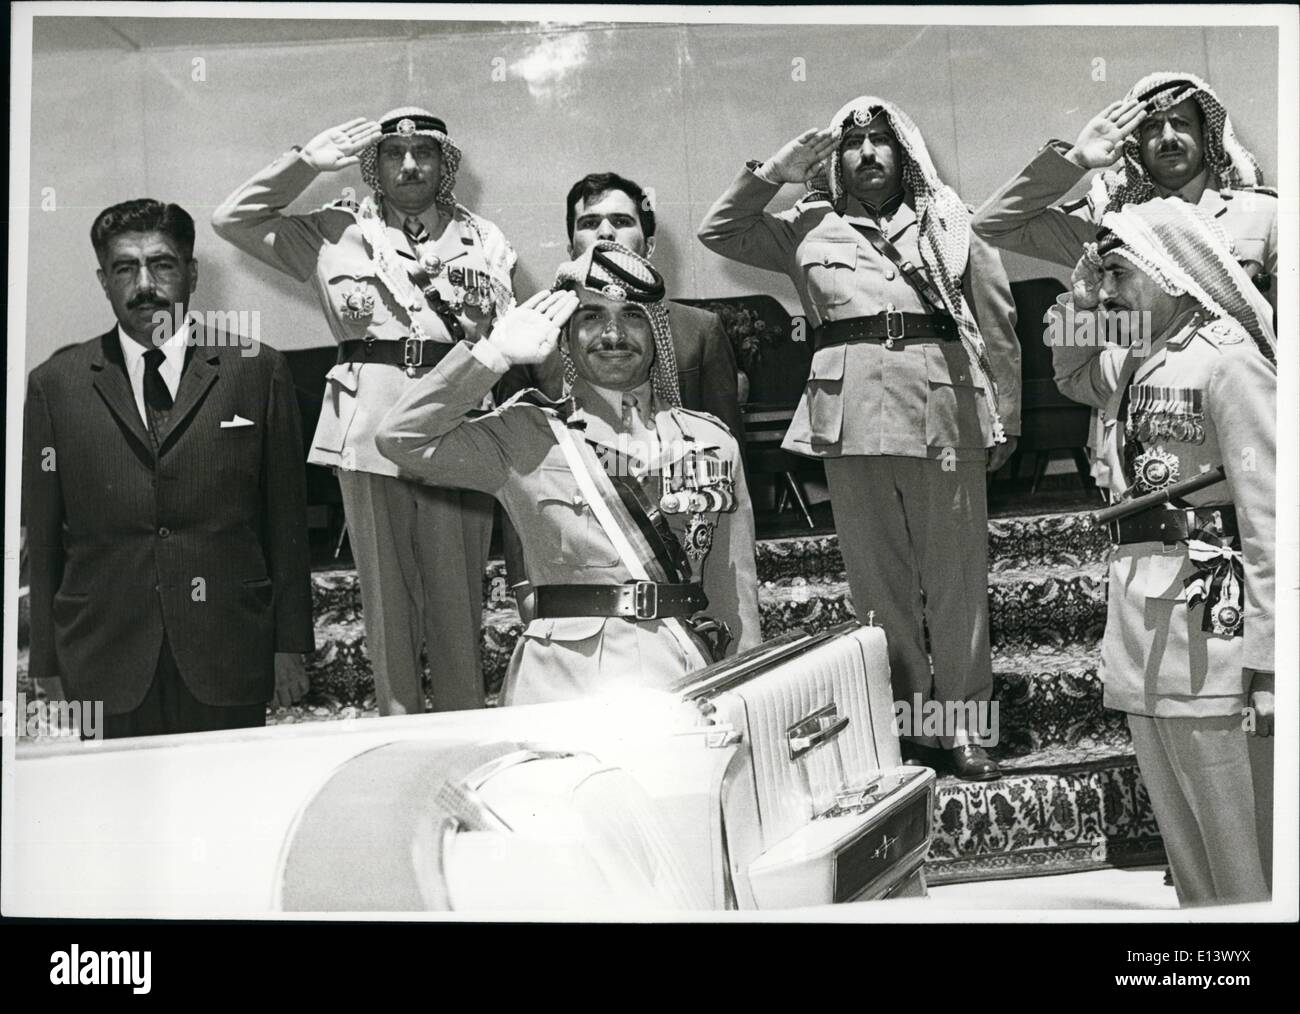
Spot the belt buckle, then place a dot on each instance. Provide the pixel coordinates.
(891, 335)
(416, 360)
(1113, 527)
(645, 600)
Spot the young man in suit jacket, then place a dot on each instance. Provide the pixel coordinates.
(165, 502)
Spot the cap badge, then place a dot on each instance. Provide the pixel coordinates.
(406, 126)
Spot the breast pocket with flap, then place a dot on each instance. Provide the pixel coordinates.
(571, 534)
(829, 267)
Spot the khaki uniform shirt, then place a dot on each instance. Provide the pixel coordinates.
(1156, 660)
(327, 247)
(512, 454)
(915, 400)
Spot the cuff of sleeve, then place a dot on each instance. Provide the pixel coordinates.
(489, 357)
(756, 169)
(1053, 154)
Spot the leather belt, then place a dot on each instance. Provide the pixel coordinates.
(890, 328)
(413, 353)
(1160, 524)
(636, 600)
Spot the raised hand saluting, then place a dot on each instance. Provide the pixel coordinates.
(1100, 142)
(337, 147)
(799, 160)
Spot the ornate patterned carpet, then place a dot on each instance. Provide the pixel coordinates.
(1070, 799)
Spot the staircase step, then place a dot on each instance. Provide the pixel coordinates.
(1062, 810)
(1016, 544)
(1045, 698)
(1052, 699)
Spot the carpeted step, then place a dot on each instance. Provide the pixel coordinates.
(1016, 544)
(1045, 697)
(1052, 698)
(1054, 607)
(1049, 606)
(1062, 810)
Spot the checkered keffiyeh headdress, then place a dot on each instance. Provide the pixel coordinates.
(1184, 250)
(409, 121)
(617, 273)
(1230, 164)
(944, 223)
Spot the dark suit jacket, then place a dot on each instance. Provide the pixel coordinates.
(706, 365)
(207, 542)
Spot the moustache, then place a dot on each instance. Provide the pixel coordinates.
(1170, 148)
(1112, 305)
(613, 345)
(146, 300)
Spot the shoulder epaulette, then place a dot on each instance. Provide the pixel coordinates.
(342, 204)
(1266, 191)
(707, 417)
(1223, 332)
(1070, 207)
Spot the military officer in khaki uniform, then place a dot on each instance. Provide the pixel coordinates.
(400, 279)
(1189, 629)
(633, 514)
(915, 377)
(1172, 138)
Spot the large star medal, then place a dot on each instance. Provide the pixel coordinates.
(1155, 469)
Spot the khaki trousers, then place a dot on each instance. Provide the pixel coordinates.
(420, 553)
(914, 536)
(1211, 787)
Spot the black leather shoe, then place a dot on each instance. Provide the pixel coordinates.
(923, 756)
(973, 763)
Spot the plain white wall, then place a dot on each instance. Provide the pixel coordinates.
(679, 108)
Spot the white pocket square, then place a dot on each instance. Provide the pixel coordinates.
(235, 423)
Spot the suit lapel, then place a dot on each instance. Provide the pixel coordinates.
(197, 378)
(114, 387)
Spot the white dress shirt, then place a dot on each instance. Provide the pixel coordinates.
(173, 350)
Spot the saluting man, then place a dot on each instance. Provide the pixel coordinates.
(1189, 625)
(1170, 136)
(401, 278)
(633, 515)
(914, 388)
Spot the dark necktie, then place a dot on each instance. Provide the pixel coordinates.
(157, 399)
(415, 231)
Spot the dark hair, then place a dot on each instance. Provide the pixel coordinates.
(594, 184)
(143, 215)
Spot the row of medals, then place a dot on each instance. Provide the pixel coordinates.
(706, 486)
(470, 288)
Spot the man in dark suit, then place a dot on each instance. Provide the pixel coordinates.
(606, 206)
(164, 497)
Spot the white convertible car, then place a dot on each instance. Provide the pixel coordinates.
(766, 782)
